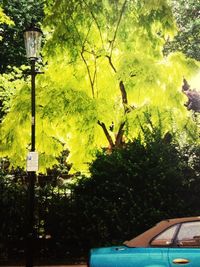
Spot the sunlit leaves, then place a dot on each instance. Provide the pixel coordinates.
(5, 19)
(106, 78)
(8, 86)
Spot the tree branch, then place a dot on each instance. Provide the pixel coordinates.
(111, 64)
(96, 22)
(88, 71)
(82, 53)
(77, 31)
(124, 97)
(109, 138)
(119, 136)
(117, 27)
(95, 74)
(91, 79)
(123, 92)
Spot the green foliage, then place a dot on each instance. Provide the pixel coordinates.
(12, 50)
(129, 191)
(135, 187)
(4, 19)
(12, 205)
(187, 15)
(9, 83)
(105, 71)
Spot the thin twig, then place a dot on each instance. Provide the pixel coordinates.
(111, 64)
(96, 22)
(117, 27)
(89, 73)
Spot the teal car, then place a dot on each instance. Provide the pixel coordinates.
(170, 243)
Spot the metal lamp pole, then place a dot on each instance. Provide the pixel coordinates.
(32, 38)
(32, 178)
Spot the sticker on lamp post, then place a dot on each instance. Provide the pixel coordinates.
(32, 162)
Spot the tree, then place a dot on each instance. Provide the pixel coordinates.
(12, 51)
(105, 72)
(129, 191)
(135, 187)
(187, 15)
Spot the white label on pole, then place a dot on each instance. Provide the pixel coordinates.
(32, 162)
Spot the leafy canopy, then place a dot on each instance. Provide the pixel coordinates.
(12, 50)
(105, 71)
(187, 15)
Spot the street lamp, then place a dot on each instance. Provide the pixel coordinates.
(32, 38)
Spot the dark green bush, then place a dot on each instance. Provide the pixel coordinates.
(12, 218)
(133, 188)
(129, 191)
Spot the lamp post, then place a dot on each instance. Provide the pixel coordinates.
(32, 38)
